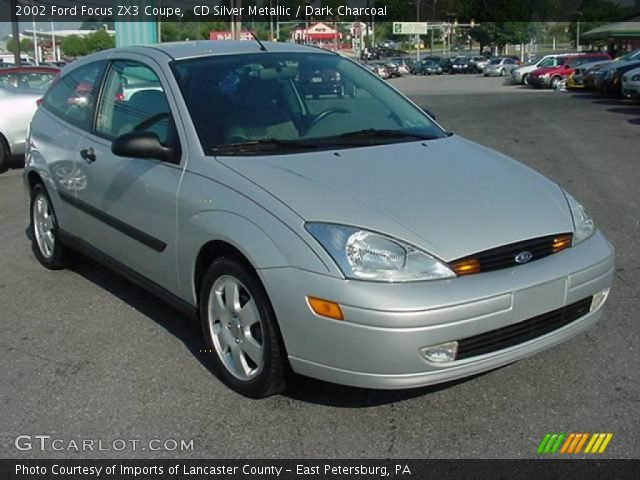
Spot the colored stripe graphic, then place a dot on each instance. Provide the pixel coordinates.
(543, 443)
(572, 443)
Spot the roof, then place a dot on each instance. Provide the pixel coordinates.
(201, 48)
(625, 29)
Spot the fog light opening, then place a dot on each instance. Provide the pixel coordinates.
(598, 299)
(443, 353)
(325, 308)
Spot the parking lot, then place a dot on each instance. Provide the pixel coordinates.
(86, 354)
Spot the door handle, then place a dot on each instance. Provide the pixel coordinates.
(88, 154)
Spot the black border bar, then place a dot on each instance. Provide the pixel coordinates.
(533, 469)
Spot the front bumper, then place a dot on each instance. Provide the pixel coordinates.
(385, 327)
(631, 89)
(539, 82)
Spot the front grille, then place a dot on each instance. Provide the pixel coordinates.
(505, 256)
(521, 332)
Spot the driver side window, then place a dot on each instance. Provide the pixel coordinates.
(133, 100)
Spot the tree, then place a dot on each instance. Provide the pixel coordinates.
(74, 46)
(99, 40)
(500, 34)
(26, 45)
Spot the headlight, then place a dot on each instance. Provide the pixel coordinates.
(366, 255)
(546, 75)
(636, 78)
(583, 226)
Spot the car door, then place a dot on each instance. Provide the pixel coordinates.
(56, 131)
(128, 210)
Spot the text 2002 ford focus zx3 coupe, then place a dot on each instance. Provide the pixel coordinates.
(349, 238)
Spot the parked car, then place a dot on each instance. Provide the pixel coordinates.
(20, 89)
(404, 64)
(611, 81)
(322, 81)
(499, 67)
(551, 77)
(427, 67)
(460, 65)
(631, 84)
(307, 237)
(379, 69)
(576, 81)
(479, 63)
(521, 73)
(393, 70)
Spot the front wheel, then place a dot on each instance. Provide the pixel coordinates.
(46, 245)
(525, 79)
(241, 331)
(554, 82)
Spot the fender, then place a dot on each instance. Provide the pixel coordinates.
(264, 249)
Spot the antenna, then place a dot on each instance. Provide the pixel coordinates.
(262, 47)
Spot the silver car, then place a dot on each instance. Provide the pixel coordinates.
(499, 67)
(349, 239)
(631, 84)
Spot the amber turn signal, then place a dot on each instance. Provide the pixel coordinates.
(466, 266)
(561, 242)
(325, 308)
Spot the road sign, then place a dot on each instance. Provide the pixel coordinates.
(409, 28)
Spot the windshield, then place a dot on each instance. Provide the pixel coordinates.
(276, 101)
(496, 61)
(548, 62)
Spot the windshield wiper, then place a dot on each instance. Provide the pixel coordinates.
(262, 145)
(372, 133)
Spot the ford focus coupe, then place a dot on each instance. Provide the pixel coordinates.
(347, 238)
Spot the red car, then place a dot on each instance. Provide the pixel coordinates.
(552, 76)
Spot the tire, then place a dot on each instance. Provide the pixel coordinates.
(241, 334)
(554, 82)
(5, 155)
(525, 79)
(502, 72)
(45, 242)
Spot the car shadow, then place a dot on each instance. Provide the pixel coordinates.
(301, 388)
(317, 392)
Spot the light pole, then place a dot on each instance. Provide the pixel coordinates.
(433, 21)
(15, 32)
(418, 35)
(578, 46)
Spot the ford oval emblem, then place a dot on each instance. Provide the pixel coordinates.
(523, 257)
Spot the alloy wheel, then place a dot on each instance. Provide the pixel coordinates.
(236, 328)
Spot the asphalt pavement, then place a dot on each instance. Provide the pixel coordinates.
(85, 354)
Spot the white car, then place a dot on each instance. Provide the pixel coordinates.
(631, 84)
(20, 88)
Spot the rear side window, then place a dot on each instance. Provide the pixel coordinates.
(73, 96)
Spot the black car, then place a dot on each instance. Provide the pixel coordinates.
(461, 65)
(321, 82)
(427, 67)
(612, 84)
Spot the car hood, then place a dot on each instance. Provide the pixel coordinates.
(450, 196)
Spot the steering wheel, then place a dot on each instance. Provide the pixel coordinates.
(324, 114)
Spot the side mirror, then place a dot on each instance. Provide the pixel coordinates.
(142, 145)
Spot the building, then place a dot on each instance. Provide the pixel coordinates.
(622, 36)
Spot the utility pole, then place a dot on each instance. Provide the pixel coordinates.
(418, 35)
(15, 32)
(433, 21)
